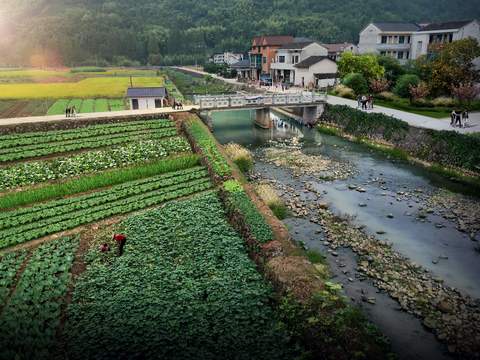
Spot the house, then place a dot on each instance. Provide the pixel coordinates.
(335, 51)
(316, 71)
(147, 98)
(263, 52)
(288, 55)
(242, 68)
(442, 33)
(407, 40)
(227, 58)
(388, 38)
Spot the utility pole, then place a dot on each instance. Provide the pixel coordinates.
(131, 82)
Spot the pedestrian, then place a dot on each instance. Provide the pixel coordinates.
(120, 239)
(370, 101)
(73, 111)
(465, 117)
(364, 102)
(452, 118)
(67, 112)
(104, 248)
(359, 101)
(458, 118)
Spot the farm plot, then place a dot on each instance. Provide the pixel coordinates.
(28, 223)
(30, 319)
(184, 288)
(32, 145)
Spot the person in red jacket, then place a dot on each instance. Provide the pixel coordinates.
(120, 239)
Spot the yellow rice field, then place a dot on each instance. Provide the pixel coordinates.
(105, 87)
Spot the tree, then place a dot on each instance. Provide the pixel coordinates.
(402, 88)
(419, 91)
(465, 93)
(379, 85)
(452, 65)
(356, 82)
(393, 69)
(367, 65)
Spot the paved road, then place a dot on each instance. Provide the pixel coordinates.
(411, 118)
(110, 114)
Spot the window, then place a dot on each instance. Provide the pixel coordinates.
(408, 55)
(450, 37)
(158, 103)
(281, 59)
(294, 59)
(401, 39)
(384, 39)
(383, 53)
(264, 59)
(400, 55)
(431, 39)
(409, 39)
(134, 104)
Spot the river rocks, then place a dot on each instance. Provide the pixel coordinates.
(362, 205)
(381, 232)
(390, 216)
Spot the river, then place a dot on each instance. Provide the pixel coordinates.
(382, 209)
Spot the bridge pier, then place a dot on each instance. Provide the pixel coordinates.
(310, 114)
(263, 118)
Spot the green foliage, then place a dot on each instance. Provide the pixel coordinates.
(402, 87)
(184, 288)
(36, 172)
(357, 82)
(10, 264)
(316, 257)
(189, 84)
(208, 146)
(28, 223)
(87, 183)
(238, 200)
(87, 69)
(393, 69)
(29, 322)
(367, 65)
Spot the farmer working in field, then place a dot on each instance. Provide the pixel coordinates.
(121, 239)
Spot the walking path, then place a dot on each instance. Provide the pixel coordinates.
(110, 114)
(410, 118)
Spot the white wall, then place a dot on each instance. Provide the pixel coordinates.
(368, 39)
(470, 30)
(145, 103)
(419, 45)
(322, 67)
(313, 49)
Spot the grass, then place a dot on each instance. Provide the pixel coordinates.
(58, 107)
(103, 179)
(240, 156)
(273, 201)
(31, 73)
(106, 87)
(404, 105)
(315, 257)
(101, 105)
(88, 106)
(77, 103)
(116, 104)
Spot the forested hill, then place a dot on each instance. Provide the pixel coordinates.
(175, 31)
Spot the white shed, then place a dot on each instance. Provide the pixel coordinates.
(147, 98)
(318, 71)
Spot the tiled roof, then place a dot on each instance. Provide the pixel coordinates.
(445, 25)
(272, 40)
(397, 26)
(312, 60)
(147, 92)
(297, 45)
(336, 48)
(241, 64)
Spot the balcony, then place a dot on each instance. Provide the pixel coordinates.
(282, 66)
(394, 47)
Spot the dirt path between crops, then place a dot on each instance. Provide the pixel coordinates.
(14, 110)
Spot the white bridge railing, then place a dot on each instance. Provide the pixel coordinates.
(261, 100)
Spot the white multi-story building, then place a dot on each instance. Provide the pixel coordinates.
(228, 58)
(404, 40)
(303, 64)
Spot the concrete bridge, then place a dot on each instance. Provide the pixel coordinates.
(308, 105)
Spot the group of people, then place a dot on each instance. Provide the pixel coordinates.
(365, 102)
(459, 118)
(71, 111)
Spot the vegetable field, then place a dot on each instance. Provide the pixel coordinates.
(87, 105)
(184, 289)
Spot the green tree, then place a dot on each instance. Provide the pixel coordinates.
(402, 88)
(452, 65)
(356, 82)
(367, 65)
(393, 69)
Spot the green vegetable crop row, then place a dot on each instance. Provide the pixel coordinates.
(9, 265)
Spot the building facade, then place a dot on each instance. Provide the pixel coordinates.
(228, 58)
(263, 52)
(405, 41)
(316, 72)
(147, 98)
(335, 51)
(283, 68)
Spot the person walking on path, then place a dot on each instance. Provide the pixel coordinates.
(359, 101)
(73, 111)
(452, 118)
(465, 117)
(364, 102)
(370, 101)
(120, 239)
(67, 112)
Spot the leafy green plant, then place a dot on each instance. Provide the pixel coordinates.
(10, 263)
(357, 82)
(185, 287)
(238, 200)
(402, 87)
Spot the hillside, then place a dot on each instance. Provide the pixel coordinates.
(182, 31)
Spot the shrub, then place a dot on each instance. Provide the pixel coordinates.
(402, 88)
(443, 101)
(379, 85)
(422, 103)
(418, 92)
(240, 156)
(386, 95)
(357, 82)
(273, 201)
(465, 93)
(344, 91)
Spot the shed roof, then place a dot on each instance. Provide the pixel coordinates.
(147, 92)
(445, 25)
(397, 26)
(312, 60)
